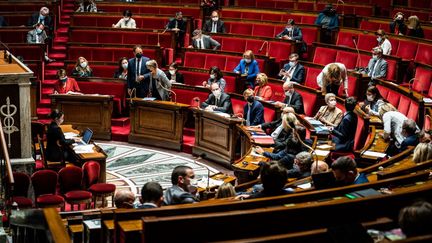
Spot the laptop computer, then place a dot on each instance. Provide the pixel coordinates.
(87, 135)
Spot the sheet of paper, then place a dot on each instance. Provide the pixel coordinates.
(324, 146)
(374, 154)
(203, 182)
(82, 149)
(305, 186)
(427, 100)
(322, 152)
(69, 135)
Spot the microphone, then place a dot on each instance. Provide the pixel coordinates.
(158, 35)
(358, 63)
(262, 46)
(410, 82)
(170, 91)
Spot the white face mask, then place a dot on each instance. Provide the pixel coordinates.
(292, 63)
(287, 93)
(370, 98)
(172, 72)
(217, 93)
(399, 17)
(83, 64)
(125, 65)
(289, 29)
(38, 31)
(379, 39)
(374, 57)
(212, 76)
(126, 18)
(247, 60)
(215, 19)
(332, 103)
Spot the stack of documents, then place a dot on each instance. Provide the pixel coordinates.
(83, 149)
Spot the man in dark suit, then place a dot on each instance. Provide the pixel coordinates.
(377, 67)
(293, 71)
(136, 71)
(151, 195)
(218, 101)
(291, 32)
(345, 172)
(178, 25)
(253, 110)
(201, 41)
(293, 101)
(42, 17)
(344, 133)
(214, 25)
(409, 131)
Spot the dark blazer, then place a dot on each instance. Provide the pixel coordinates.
(47, 21)
(2, 22)
(412, 140)
(296, 35)
(280, 141)
(53, 151)
(257, 113)
(401, 26)
(299, 73)
(224, 105)
(209, 24)
(344, 133)
(296, 102)
(209, 43)
(179, 77)
(181, 25)
(132, 75)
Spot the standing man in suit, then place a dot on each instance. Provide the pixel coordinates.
(344, 133)
(201, 41)
(218, 101)
(178, 25)
(293, 71)
(253, 110)
(42, 17)
(377, 67)
(136, 71)
(214, 25)
(293, 100)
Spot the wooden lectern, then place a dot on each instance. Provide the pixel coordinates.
(215, 136)
(86, 111)
(157, 123)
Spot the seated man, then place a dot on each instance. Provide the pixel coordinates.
(293, 32)
(151, 195)
(253, 110)
(218, 101)
(38, 36)
(41, 17)
(377, 67)
(345, 171)
(178, 25)
(201, 41)
(409, 131)
(214, 25)
(302, 166)
(124, 199)
(344, 133)
(293, 71)
(319, 167)
(273, 178)
(181, 191)
(293, 101)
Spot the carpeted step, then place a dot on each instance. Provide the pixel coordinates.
(68, 6)
(65, 17)
(67, 11)
(43, 111)
(44, 121)
(189, 131)
(188, 143)
(60, 40)
(64, 23)
(62, 30)
(45, 101)
(120, 133)
(55, 64)
(49, 82)
(58, 55)
(60, 48)
(47, 90)
(120, 122)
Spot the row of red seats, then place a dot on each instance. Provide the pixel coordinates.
(196, 78)
(422, 14)
(15, 35)
(106, 20)
(384, 24)
(17, 6)
(404, 48)
(250, 14)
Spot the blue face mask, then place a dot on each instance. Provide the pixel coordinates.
(291, 64)
(41, 17)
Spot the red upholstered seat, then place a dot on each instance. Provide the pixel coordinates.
(278, 93)
(309, 35)
(404, 104)
(102, 188)
(70, 181)
(269, 114)
(406, 49)
(271, 17)
(311, 75)
(194, 59)
(233, 44)
(393, 97)
(308, 19)
(347, 58)
(309, 101)
(307, 6)
(186, 96)
(324, 55)
(44, 185)
(346, 39)
(255, 45)
(366, 42)
(91, 171)
(232, 62)
(280, 50)
(367, 25)
(194, 78)
(264, 30)
(424, 54)
(20, 190)
(364, 60)
(284, 5)
(242, 28)
(413, 111)
(215, 60)
(238, 105)
(383, 90)
(391, 70)
(422, 79)
(77, 195)
(49, 199)
(22, 202)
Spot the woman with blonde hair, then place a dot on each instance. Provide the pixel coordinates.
(422, 152)
(225, 190)
(331, 77)
(329, 114)
(262, 91)
(82, 69)
(414, 28)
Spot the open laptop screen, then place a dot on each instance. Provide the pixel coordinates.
(88, 133)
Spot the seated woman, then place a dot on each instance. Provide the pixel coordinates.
(156, 83)
(87, 6)
(329, 114)
(422, 152)
(173, 74)
(122, 70)
(383, 42)
(64, 84)
(215, 76)
(262, 91)
(82, 69)
(397, 25)
(414, 28)
(331, 77)
(248, 68)
(373, 101)
(344, 133)
(55, 139)
(127, 21)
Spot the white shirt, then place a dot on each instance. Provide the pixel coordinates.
(131, 24)
(393, 121)
(200, 44)
(386, 47)
(344, 75)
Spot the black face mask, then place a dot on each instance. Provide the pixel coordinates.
(63, 80)
(250, 99)
(138, 55)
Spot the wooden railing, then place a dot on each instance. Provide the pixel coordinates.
(7, 178)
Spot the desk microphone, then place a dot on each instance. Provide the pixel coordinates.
(197, 100)
(171, 92)
(158, 35)
(133, 91)
(358, 52)
(262, 46)
(410, 82)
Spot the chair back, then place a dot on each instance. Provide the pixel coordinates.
(21, 185)
(44, 182)
(70, 179)
(38, 130)
(91, 173)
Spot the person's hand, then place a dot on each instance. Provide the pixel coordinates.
(242, 197)
(282, 72)
(367, 109)
(140, 78)
(204, 83)
(259, 150)
(209, 108)
(237, 72)
(285, 37)
(190, 46)
(258, 98)
(113, 25)
(175, 29)
(279, 104)
(331, 128)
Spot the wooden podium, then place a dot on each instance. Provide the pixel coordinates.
(157, 123)
(86, 111)
(215, 136)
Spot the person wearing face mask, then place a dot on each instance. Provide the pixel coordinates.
(182, 190)
(383, 42)
(42, 17)
(136, 71)
(373, 101)
(262, 91)
(248, 68)
(293, 71)
(39, 36)
(253, 111)
(414, 28)
(345, 172)
(126, 22)
(329, 114)
(178, 26)
(302, 166)
(291, 32)
(200, 41)
(343, 134)
(397, 26)
(214, 25)
(293, 101)
(156, 83)
(122, 70)
(377, 67)
(215, 76)
(328, 20)
(82, 69)
(56, 140)
(218, 101)
(173, 74)
(331, 77)
(87, 6)
(64, 84)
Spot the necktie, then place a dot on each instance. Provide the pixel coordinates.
(248, 115)
(138, 67)
(371, 73)
(214, 28)
(217, 102)
(176, 24)
(199, 44)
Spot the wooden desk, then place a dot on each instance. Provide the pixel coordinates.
(157, 123)
(86, 111)
(215, 136)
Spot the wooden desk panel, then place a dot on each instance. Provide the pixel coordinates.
(157, 123)
(86, 111)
